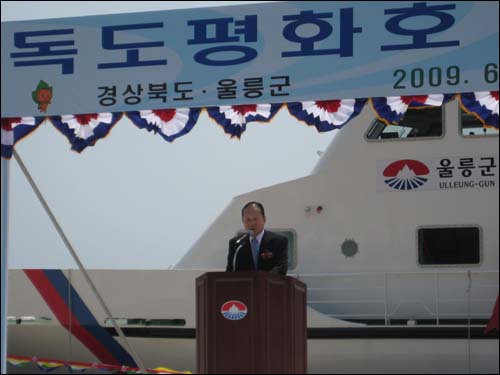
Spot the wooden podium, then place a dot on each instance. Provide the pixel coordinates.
(250, 323)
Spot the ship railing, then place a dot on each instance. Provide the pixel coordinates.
(427, 297)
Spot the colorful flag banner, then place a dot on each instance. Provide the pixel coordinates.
(47, 365)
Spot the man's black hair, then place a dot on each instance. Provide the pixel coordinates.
(259, 205)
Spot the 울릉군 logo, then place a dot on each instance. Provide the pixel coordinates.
(234, 310)
(406, 174)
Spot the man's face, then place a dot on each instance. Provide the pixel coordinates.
(253, 219)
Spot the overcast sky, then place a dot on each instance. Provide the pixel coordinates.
(135, 200)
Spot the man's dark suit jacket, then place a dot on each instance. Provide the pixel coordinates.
(273, 255)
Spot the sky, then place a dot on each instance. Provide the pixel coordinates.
(135, 201)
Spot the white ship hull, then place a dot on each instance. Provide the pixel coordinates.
(374, 306)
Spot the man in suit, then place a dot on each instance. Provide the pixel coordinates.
(257, 249)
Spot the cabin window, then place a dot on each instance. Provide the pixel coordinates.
(449, 245)
(416, 123)
(472, 127)
(292, 246)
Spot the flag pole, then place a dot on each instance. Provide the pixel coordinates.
(5, 202)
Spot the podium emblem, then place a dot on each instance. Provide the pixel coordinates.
(234, 310)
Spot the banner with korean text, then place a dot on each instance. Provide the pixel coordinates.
(259, 53)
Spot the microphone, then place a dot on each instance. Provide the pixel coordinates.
(242, 237)
(235, 256)
(247, 233)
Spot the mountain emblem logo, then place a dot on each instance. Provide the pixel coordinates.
(234, 310)
(406, 174)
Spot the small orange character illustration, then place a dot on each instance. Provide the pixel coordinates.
(42, 96)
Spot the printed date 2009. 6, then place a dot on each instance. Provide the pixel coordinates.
(436, 76)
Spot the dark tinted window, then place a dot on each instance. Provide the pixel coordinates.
(448, 245)
(292, 243)
(424, 122)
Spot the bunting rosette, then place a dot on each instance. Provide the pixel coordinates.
(234, 118)
(169, 123)
(14, 129)
(85, 130)
(392, 109)
(326, 115)
(483, 105)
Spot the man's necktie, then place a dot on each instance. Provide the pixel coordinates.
(255, 251)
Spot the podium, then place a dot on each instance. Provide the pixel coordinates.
(250, 323)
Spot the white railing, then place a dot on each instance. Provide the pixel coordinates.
(403, 296)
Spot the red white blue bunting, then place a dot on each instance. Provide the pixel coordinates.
(484, 105)
(326, 115)
(14, 129)
(234, 118)
(85, 130)
(392, 109)
(169, 123)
